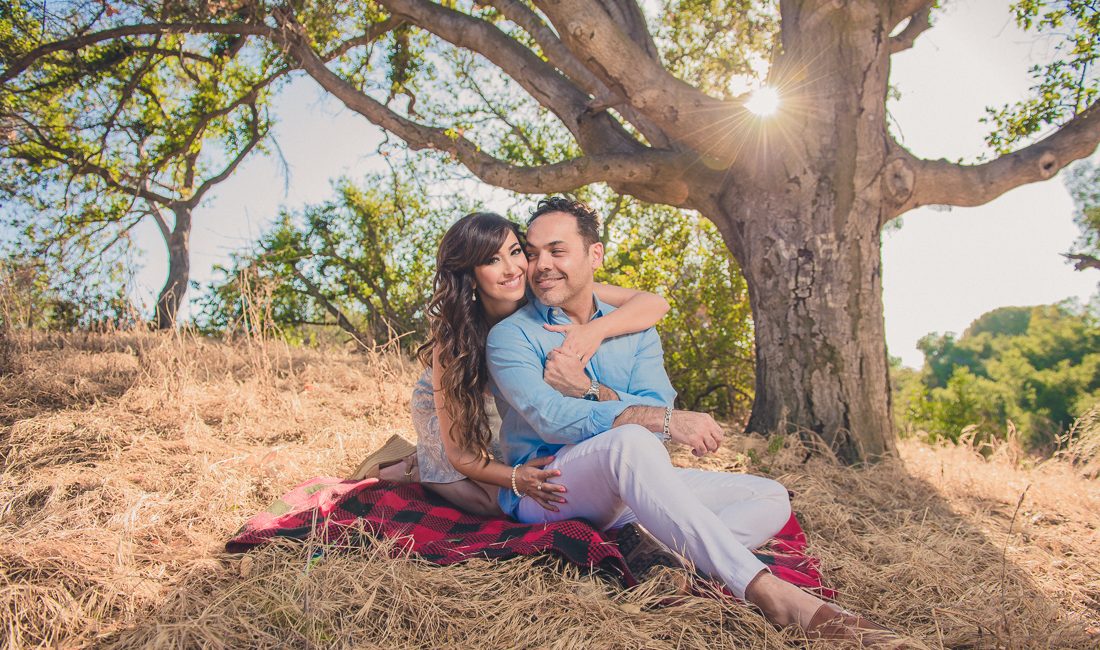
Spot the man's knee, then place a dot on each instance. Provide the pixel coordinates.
(778, 495)
(776, 489)
(631, 445)
(633, 438)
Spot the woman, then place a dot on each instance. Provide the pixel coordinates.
(480, 280)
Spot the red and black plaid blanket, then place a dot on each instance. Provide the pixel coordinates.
(426, 524)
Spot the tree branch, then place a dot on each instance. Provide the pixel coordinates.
(707, 125)
(247, 98)
(79, 164)
(124, 98)
(556, 53)
(919, 22)
(543, 82)
(1083, 261)
(341, 319)
(646, 166)
(628, 15)
(911, 182)
(145, 29)
(165, 231)
(560, 57)
(376, 30)
(255, 137)
(899, 10)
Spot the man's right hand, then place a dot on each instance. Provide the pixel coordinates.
(696, 430)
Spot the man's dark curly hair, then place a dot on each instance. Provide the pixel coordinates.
(588, 222)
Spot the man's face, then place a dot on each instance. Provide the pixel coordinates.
(559, 265)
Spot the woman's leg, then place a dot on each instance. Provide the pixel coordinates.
(471, 496)
(406, 470)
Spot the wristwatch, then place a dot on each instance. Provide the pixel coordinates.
(593, 392)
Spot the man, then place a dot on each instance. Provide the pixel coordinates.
(608, 443)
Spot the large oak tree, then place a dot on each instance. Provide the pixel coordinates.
(643, 104)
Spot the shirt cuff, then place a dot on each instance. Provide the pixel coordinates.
(642, 400)
(603, 414)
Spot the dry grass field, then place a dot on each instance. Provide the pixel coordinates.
(129, 459)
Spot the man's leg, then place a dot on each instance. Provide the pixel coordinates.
(754, 508)
(627, 470)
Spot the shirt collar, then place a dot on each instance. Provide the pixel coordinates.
(551, 314)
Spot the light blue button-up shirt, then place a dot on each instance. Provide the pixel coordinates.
(537, 420)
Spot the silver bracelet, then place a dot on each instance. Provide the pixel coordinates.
(665, 435)
(514, 488)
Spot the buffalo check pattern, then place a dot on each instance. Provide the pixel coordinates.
(340, 511)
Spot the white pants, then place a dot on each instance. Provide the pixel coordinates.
(711, 518)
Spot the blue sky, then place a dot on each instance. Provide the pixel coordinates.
(942, 269)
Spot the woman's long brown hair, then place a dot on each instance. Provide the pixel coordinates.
(459, 326)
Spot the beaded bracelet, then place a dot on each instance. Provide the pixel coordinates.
(514, 488)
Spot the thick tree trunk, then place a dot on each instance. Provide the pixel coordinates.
(171, 295)
(816, 295)
(804, 218)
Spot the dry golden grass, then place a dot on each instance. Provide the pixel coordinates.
(129, 459)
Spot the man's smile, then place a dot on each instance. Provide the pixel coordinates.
(544, 281)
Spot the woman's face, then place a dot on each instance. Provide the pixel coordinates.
(503, 278)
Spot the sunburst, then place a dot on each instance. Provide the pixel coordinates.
(763, 102)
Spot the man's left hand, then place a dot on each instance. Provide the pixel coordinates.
(565, 373)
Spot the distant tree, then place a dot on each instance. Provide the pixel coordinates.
(1037, 366)
(32, 296)
(361, 262)
(1083, 181)
(1003, 321)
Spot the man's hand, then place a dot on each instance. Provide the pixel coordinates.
(696, 430)
(565, 373)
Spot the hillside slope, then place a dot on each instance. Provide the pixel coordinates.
(129, 459)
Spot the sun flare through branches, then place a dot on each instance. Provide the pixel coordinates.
(763, 102)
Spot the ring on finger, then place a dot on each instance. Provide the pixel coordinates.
(539, 486)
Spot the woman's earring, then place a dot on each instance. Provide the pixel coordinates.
(473, 296)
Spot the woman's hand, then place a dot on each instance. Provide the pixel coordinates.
(581, 341)
(533, 481)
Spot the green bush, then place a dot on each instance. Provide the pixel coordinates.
(1036, 366)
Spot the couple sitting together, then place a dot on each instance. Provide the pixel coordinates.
(576, 370)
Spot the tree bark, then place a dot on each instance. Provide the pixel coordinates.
(803, 218)
(171, 295)
(816, 296)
